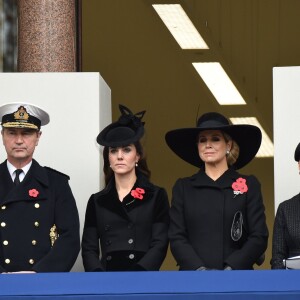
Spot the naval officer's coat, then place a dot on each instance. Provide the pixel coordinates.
(29, 212)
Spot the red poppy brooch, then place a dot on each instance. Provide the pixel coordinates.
(33, 193)
(138, 193)
(239, 186)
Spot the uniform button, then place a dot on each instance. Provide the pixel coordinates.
(3, 207)
(36, 205)
(33, 242)
(3, 224)
(7, 260)
(108, 258)
(130, 241)
(36, 224)
(31, 261)
(131, 256)
(5, 243)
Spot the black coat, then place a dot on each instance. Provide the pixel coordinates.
(134, 237)
(25, 222)
(286, 232)
(202, 214)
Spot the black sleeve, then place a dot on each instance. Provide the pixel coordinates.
(90, 240)
(279, 246)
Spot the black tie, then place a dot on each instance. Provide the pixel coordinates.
(17, 179)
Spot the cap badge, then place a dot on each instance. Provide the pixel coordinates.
(21, 114)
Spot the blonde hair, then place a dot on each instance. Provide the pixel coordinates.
(234, 152)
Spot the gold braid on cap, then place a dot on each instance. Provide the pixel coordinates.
(20, 125)
(21, 119)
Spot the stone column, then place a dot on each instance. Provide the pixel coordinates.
(47, 36)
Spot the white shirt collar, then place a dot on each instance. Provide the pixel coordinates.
(12, 169)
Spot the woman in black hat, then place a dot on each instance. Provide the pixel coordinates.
(217, 215)
(129, 218)
(286, 232)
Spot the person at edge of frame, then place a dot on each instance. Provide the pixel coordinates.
(286, 231)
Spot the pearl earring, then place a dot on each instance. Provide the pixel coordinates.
(136, 164)
(227, 152)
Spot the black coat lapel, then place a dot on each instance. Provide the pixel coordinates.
(227, 179)
(35, 179)
(200, 179)
(110, 199)
(6, 183)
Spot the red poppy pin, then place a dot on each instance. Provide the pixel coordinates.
(33, 193)
(239, 186)
(138, 193)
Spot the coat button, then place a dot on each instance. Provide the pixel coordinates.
(107, 227)
(3, 224)
(7, 260)
(36, 205)
(33, 242)
(130, 225)
(131, 256)
(3, 207)
(36, 224)
(130, 241)
(108, 242)
(31, 261)
(108, 258)
(5, 243)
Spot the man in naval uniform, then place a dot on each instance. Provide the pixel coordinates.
(39, 223)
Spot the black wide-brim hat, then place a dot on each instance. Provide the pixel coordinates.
(127, 130)
(183, 142)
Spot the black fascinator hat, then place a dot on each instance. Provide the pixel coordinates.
(127, 130)
(183, 142)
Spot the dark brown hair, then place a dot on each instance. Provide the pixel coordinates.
(142, 163)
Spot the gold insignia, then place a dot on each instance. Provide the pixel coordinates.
(53, 234)
(21, 114)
